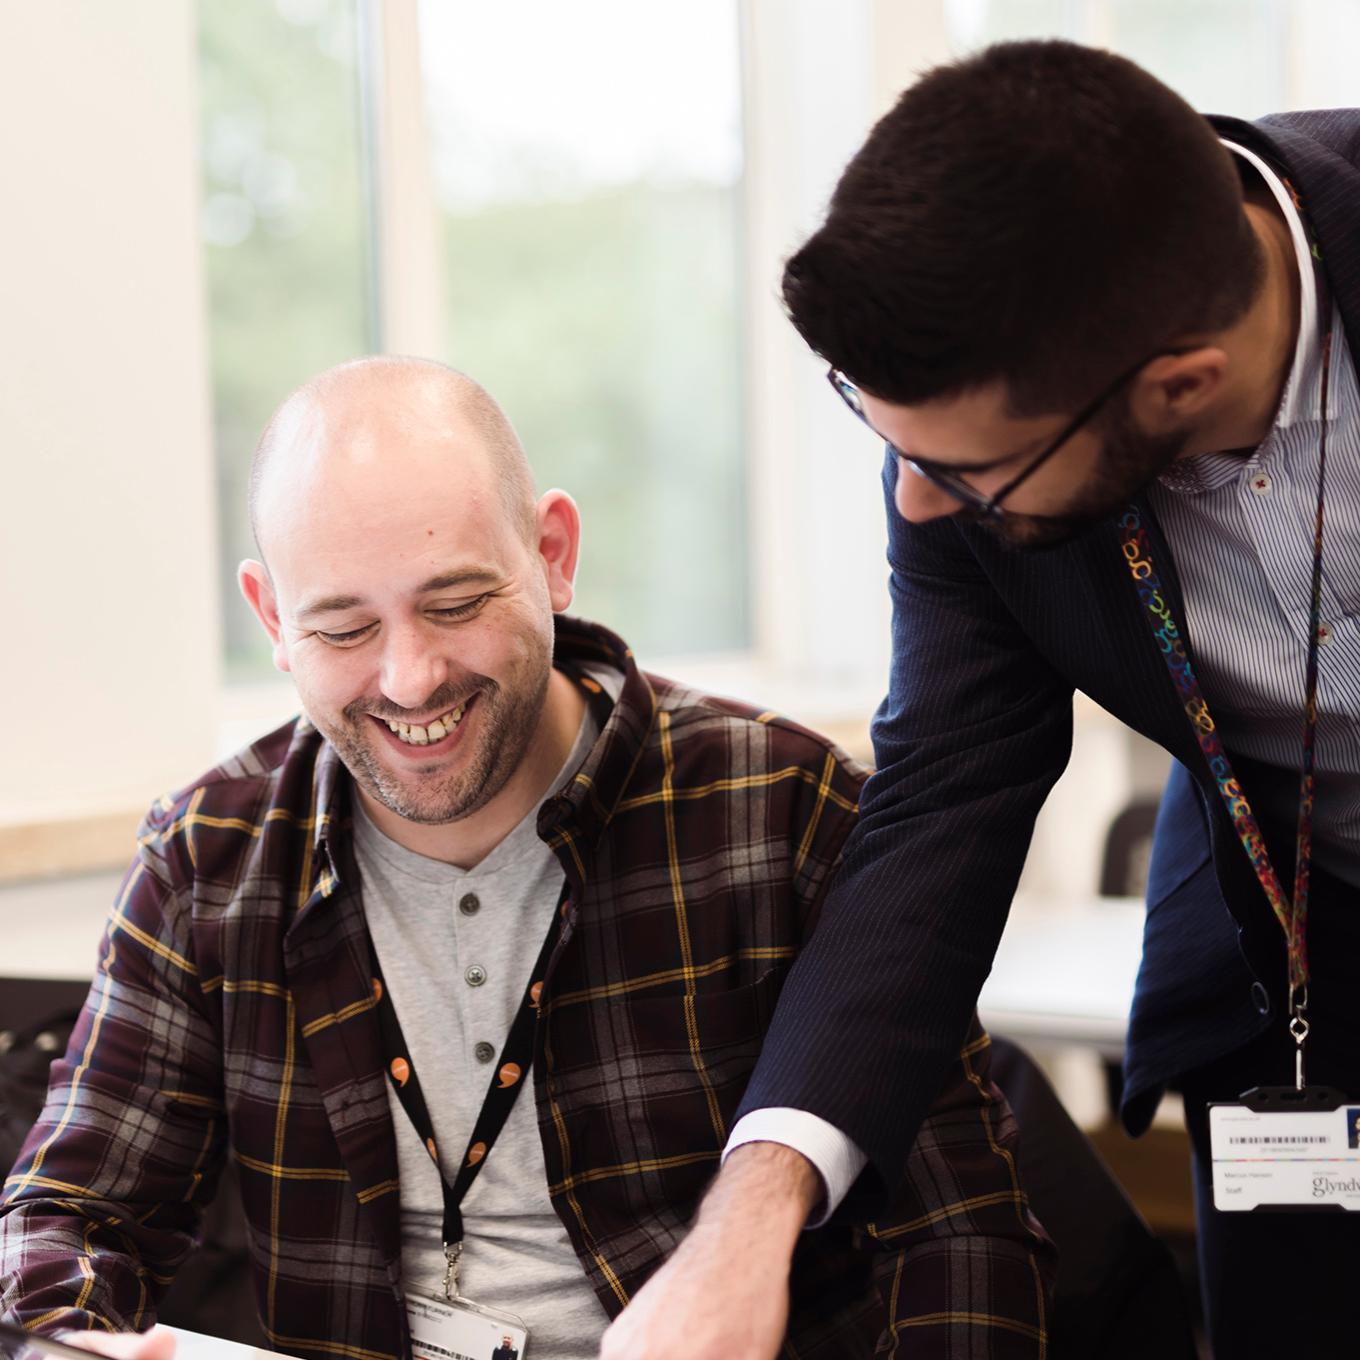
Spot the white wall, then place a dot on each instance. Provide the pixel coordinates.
(106, 547)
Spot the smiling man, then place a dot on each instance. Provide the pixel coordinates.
(493, 855)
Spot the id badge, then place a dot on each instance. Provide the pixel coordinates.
(1278, 1148)
(458, 1329)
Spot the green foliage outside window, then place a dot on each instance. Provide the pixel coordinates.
(603, 317)
(285, 229)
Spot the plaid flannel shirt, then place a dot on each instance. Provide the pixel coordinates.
(232, 1015)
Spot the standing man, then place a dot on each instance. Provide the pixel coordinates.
(1087, 321)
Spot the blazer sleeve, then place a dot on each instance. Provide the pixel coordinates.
(104, 1201)
(975, 729)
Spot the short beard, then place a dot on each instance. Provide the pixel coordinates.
(507, 720)
(1129, 460)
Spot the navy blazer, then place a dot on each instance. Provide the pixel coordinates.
(988, 647)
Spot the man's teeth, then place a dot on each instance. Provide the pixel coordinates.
(435, 731)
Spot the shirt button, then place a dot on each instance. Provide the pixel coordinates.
(1261, 484)
(1324, 634)
(475, 975)
(484, 1052)
(469, 905)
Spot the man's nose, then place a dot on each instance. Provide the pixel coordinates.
(412, 667)
(918, 500)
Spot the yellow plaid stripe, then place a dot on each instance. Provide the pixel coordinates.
(280, 1130)
(292, 1173)
(668, 975)
(961, 1206)
(120, 924)
(957, 1317)
(191, 818)
(338, 1017)
(196, 1175)
(230, 985)
(378, 1191)
(682, 930)
(191, 1098)
(86, 1321)
(810, 831)
(971, 1050)
(735, 784)
(604, 1173)
(1021, 1201)
(564, 1150)
(16, 1183)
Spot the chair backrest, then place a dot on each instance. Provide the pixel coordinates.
(1128, 850)
(212, 1290)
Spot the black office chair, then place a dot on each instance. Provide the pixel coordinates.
(212, 1290)
(1117, 1295)
(1128, 850)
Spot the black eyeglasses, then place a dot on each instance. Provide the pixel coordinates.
(941, 475)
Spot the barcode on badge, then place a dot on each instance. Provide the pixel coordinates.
(1292, 1140)
(426, 1347)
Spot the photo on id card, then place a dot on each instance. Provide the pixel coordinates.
(457, 1329)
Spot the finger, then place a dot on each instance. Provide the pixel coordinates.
(157, 1344)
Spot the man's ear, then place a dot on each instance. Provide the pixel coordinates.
(558, 525)
(1174, 388)
(253, 578)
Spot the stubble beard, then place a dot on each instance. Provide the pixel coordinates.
(1129, 460)
(507, 719)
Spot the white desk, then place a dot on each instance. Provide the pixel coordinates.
(51, 928)
(197, 1346)
(1066, 975)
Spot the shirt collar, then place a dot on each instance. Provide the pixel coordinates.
(1301, 399)
(573, 821)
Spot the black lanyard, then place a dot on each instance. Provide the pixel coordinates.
(515, 1061)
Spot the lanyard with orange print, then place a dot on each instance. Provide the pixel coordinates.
(516, 1059)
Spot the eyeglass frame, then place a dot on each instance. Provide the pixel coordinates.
(945, 479)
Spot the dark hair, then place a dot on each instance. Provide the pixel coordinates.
(1040, 212)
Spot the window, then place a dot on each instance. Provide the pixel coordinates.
(1244, 57)
(286, 237)
(587, 164)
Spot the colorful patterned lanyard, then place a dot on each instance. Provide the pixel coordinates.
(1292, 916)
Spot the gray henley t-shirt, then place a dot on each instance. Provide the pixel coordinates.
(456, 946)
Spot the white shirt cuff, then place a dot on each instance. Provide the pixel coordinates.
(834, 1154)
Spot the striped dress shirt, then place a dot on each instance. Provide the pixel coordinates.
(1241, 530)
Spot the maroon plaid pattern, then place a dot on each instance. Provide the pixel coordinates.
(232, 1015)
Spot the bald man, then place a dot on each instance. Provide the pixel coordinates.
(491, 854)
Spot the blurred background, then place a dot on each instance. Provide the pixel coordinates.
(586, 207)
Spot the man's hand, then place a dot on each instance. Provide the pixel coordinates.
(725, 1291)
(157, 1344)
